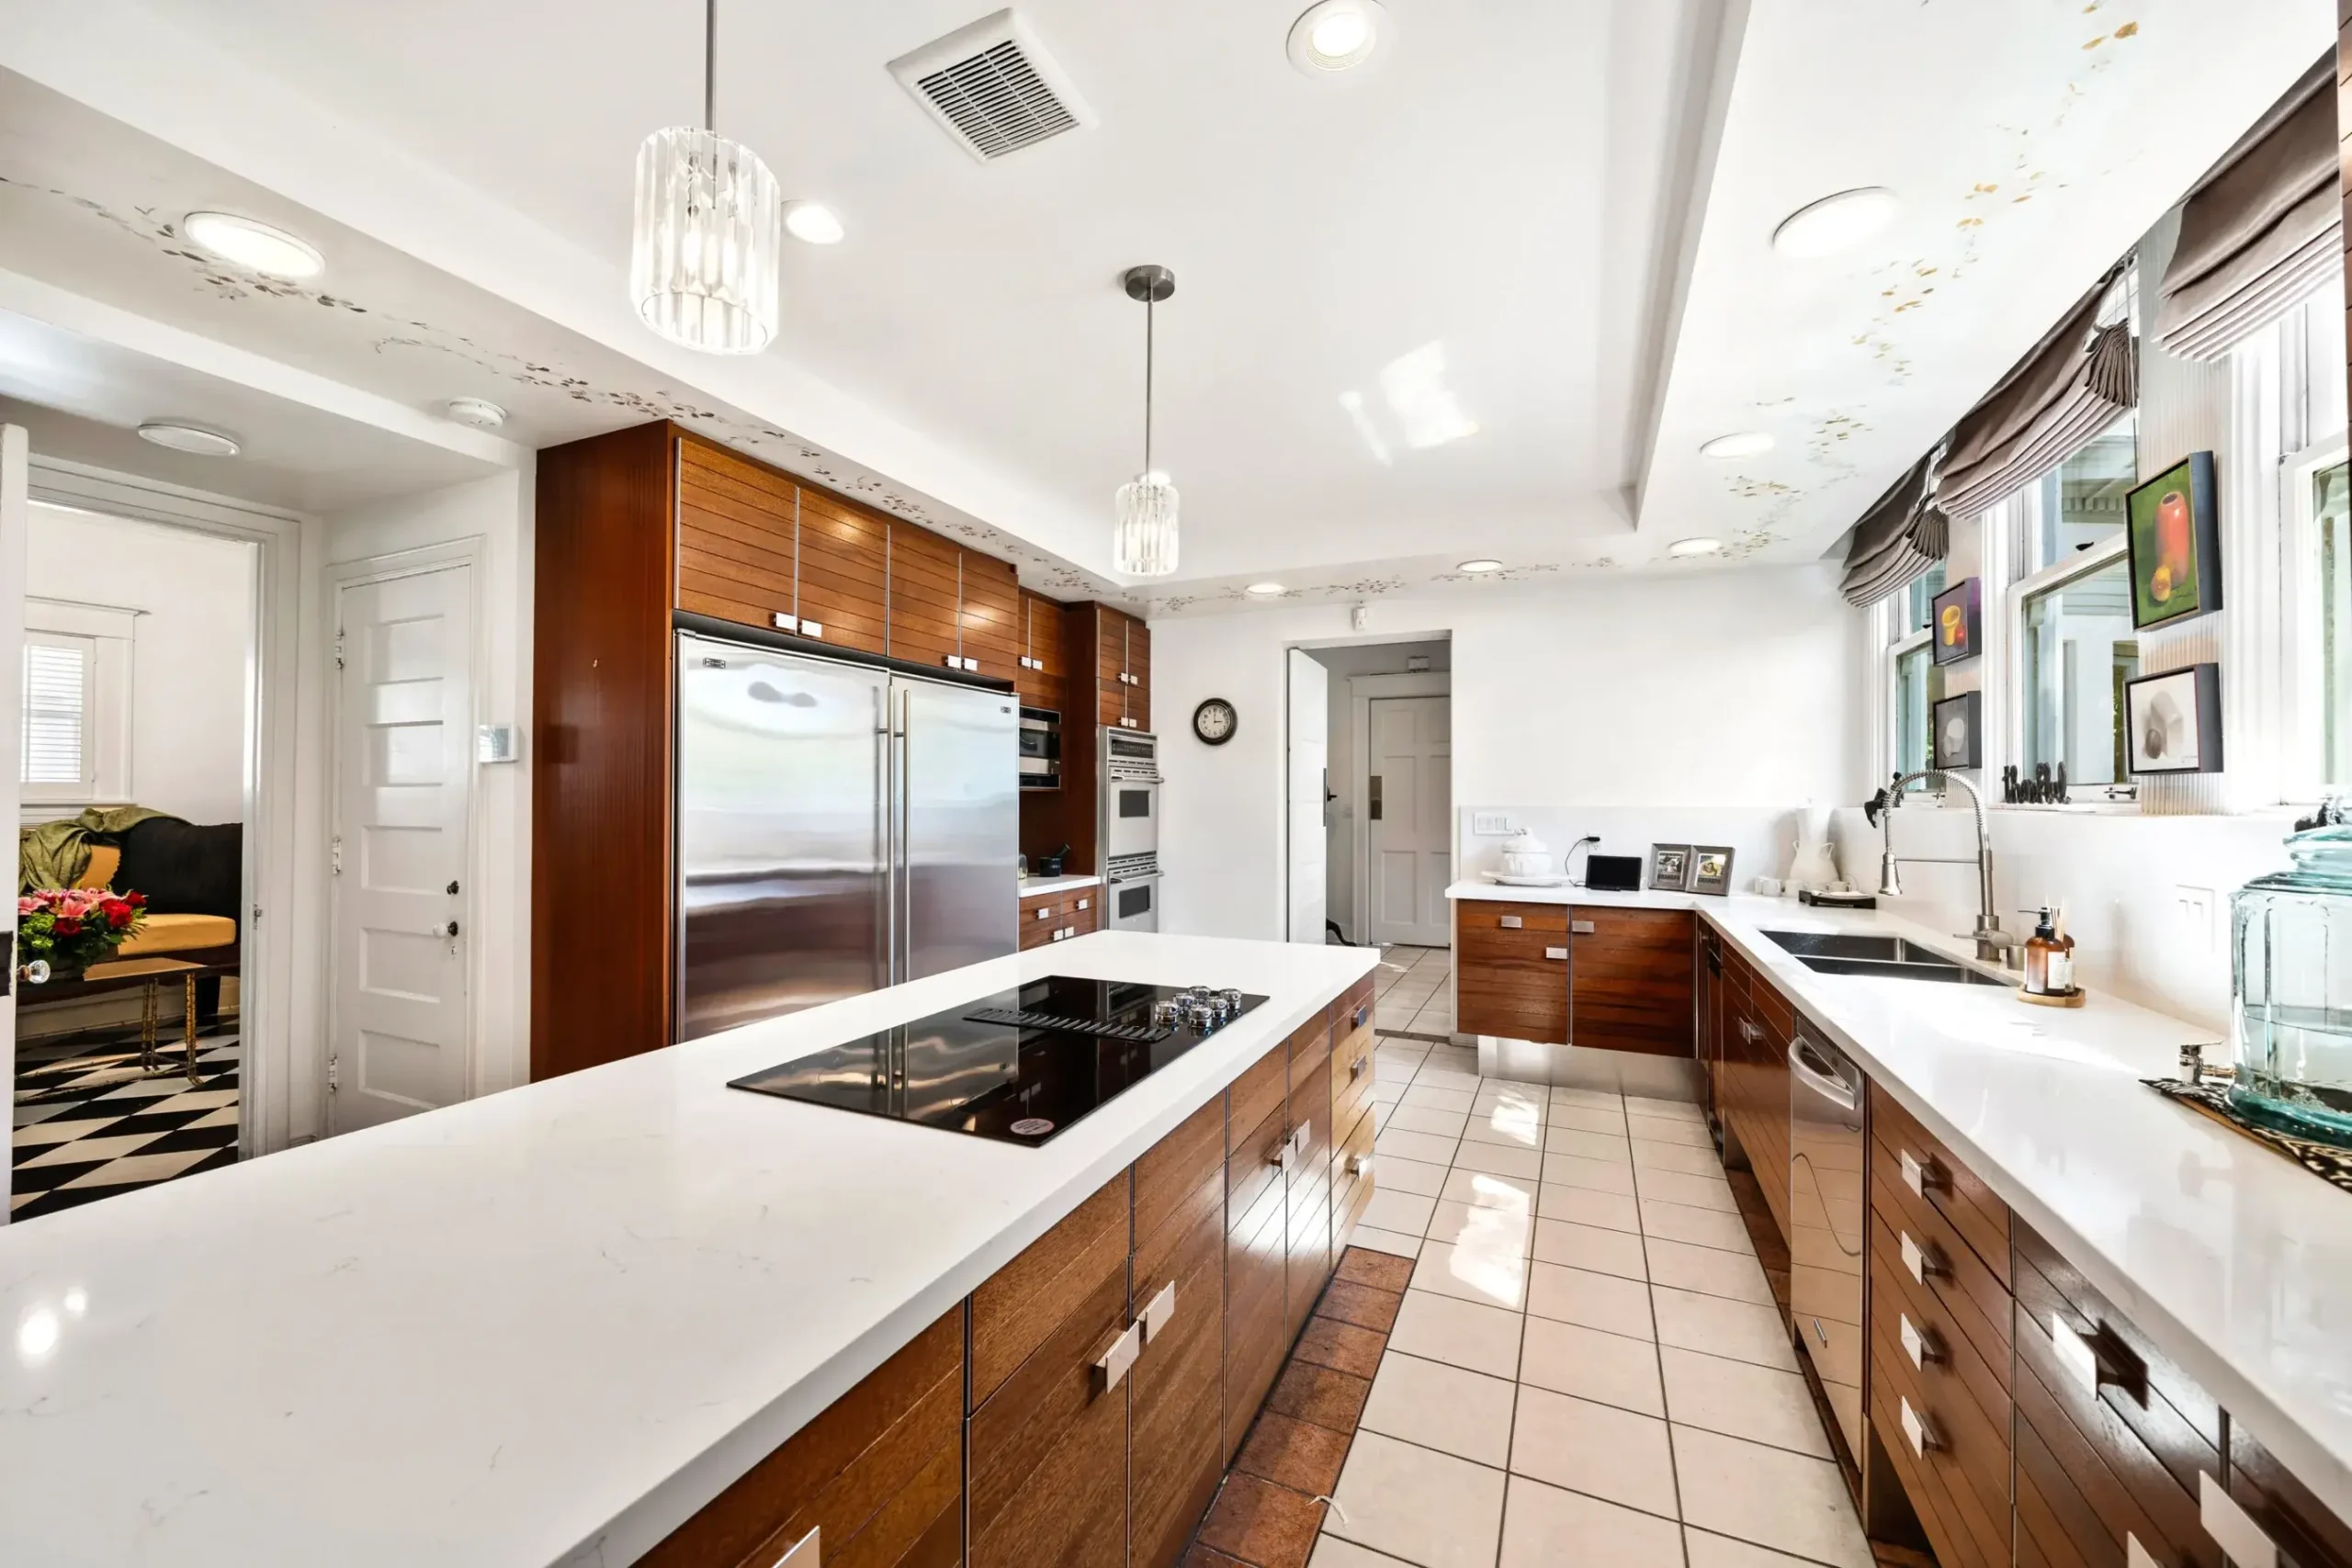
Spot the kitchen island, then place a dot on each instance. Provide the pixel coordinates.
(2203, 1279)
(551, 1325)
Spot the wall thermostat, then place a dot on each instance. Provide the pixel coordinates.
(497, 743)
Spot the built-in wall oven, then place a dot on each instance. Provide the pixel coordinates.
(1130, 830)
(1827, 1153)
(1041, 748)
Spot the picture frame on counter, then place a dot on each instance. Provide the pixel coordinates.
(1670, 867)
(2174, 721)
(1710, 869)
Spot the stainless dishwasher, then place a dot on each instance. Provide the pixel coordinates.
(1827, 1221)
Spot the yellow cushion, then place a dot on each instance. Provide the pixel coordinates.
(178, 933)
(105, 861)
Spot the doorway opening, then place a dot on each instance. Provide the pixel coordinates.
(138, 751)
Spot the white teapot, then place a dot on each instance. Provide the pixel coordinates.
(1525, 856)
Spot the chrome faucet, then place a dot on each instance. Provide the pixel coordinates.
(1994, 945)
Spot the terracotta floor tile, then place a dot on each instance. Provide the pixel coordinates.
(1296, 1454)
(1328, 1342)
(1261, 1523)
(1361, 1304)
(1362, 1266)
(1327, 1398)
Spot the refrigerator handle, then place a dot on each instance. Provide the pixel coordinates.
(901, 895)
(885, 788)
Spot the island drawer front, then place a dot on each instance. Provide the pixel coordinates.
(1960, 1485)
(1309, 1256)
(1048, 1448)
(1258, 1093)
(1171, 1175)
(1178, 1376)
(2173, 1415)
(875, 1471)
(2084, 1481)
(1976, 1299)
(1257, 1252)
(1481, 917)
(1310, 1045)
(1350, 1095)
(1023, 1303)
(2307, 1532)
(1352, 1180)
(1958, 1193)
(1256, 1122)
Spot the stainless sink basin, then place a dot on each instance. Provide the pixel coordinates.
(1855, 953)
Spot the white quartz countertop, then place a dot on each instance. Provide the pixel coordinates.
(546, 1325)
(1033, 886)
(2235, 1260)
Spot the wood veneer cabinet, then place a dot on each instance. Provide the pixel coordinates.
(1511, 970)
(1630, 979)
(1049, 918)
(1041, 670)
(1116, 647)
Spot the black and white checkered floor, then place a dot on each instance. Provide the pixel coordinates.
(88, 1124)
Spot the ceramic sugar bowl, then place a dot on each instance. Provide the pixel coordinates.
(1524, 854)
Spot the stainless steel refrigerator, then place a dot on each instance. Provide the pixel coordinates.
(840, 827)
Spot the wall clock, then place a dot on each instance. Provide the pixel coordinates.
(1213, 721)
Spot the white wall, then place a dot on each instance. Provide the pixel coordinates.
(495, 516)
(190, 645)
(1346, 820)
(1718, 689)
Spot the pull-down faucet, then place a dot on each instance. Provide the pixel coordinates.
(1994, 945)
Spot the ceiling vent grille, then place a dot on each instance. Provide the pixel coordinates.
(993, 87)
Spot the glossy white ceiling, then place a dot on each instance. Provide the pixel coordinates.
(1544, 219)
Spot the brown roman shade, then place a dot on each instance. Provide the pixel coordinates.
(1900, 535)
(2073, 384)
(2261, 231)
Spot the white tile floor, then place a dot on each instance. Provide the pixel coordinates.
(1411, 993)
(1588, 1367)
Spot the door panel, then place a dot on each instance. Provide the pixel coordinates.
(1408, 846)
(404, 743)
(1309, 773)
(961, 809)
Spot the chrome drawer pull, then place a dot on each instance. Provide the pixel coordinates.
(1156, 1316)
(2232, 1528)
(1921, 1260)
(1360, 1014)
(1920, 1174)
(806, 1552)
(1120, 1356)
(1580, 928)
(1919, 1344)
(1560, 952)
(1508, 922)
(2075, 1354)
(1360, 1165)
(1356, 1067)
(1917, 1427)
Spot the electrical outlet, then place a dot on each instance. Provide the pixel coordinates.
(1492, 822)
(2194, 908)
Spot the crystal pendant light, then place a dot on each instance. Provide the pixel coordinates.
(1143, 540)
(703, 259)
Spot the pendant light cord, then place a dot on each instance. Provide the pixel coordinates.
(710, 66)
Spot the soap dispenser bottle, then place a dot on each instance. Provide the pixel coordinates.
(2050, 957)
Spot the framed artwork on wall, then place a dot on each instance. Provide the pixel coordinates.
(2172, 532)
(1958, 621)
(1953, 732)
(1670, 867)
(2175, 721)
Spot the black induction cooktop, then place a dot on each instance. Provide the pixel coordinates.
(1021, 1066)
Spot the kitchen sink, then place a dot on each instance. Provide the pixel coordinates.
(1892, 957)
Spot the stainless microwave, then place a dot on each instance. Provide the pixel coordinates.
(1041, 748)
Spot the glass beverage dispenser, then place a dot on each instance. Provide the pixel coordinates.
(2291, 948)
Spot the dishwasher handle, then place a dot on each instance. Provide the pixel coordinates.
(1822, 1076)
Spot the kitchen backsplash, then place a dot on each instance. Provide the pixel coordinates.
(1762, 838)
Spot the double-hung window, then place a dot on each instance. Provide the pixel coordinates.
(2076, 645)
(1916, 683)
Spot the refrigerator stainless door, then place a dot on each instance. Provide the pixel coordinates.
(783, 888)
(958, 806)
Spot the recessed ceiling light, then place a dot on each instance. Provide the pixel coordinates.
(255, 246)
(814, 222)
(1265, 589)
(1688, 547)
(479, 412)
(1478, 568)
(1741, 444)
(1334, 35)
(189, 438)
(1835, 223)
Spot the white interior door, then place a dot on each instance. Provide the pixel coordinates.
(401, 1039)
(1308, 772)
(16, 521)
(1409, 815)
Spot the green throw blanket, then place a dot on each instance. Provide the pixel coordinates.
(55, 854)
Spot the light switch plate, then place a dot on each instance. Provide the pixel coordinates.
(498, 743)
(1492, 823)
(2194, 905)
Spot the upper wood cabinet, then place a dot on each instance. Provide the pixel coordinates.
(1116, 647)
(989, 621)
(739, 537)
(926, 597)
(844, 574)
(1041, 667)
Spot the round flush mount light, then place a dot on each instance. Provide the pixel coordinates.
(1334, 35)
(1265, 589)
(255, 246)
(479, 412)
(1689, 548)
(1835, 223)
(1741, 444)
(814, 223)
(1479, 568)
(189, 438)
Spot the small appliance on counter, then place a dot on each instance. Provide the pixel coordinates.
(1019, 1066)
(1613, 873)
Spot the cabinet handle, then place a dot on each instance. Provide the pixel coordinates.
(2135, 1555)
(1917, 1427)
(1121, 1356)
(809, 629)
(785, 623)
(1045, 912)
(1356, 1067)
(1300, 1136)
(1509, 922)
(1281, 1155)
(1580, 928)
(1920, 1344)
(806, 1552)
(1920, 1174)
(2232, 1528)
(1559, 953)
(1921, 1260)
(1358, 1165)
(1162, 1309)
(1086, 903)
